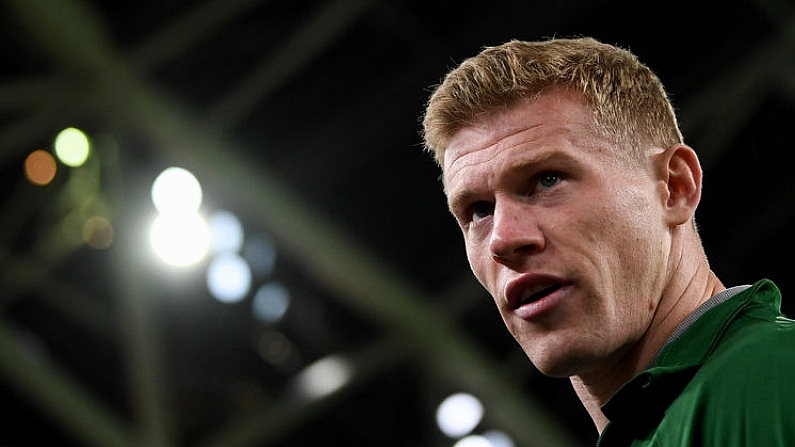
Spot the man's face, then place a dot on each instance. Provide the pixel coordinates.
(569, 239)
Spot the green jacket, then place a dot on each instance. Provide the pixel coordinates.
(727, 381)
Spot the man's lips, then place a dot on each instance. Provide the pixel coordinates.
(533, 297)
(530, 288)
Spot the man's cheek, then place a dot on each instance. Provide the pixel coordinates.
(477, 265)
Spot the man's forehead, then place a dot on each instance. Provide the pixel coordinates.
(481, 142)
(552, 107)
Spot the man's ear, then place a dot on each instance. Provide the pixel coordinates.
(680, 177)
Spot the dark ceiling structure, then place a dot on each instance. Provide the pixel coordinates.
(303, 119)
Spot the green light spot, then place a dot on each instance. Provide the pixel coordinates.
(72, 147)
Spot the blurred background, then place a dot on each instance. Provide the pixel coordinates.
(219, 228)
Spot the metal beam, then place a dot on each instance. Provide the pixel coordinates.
(718, 112)
(67, 403)
(323, 29)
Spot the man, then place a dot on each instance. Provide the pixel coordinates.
(566, 171)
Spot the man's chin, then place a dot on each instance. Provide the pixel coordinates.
(556, 366)
(556, 373)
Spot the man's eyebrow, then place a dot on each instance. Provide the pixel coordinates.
(541, 158)
(455, 202)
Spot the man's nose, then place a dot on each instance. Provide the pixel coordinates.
(515, 233)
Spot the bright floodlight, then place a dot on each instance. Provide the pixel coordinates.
(459, 414)
(226, 232)
(473, 441)
(271, 302)
(229, 278)
(324, 377)
(180, 239)
(72, 147)
(176, 190)
(499, 438)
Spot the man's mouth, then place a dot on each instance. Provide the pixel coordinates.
(531, 296)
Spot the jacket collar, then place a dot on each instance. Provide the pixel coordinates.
(642, 401)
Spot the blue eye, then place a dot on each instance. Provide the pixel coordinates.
(481, 210)
(548, 179)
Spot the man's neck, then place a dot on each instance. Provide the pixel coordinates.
(679, 299)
